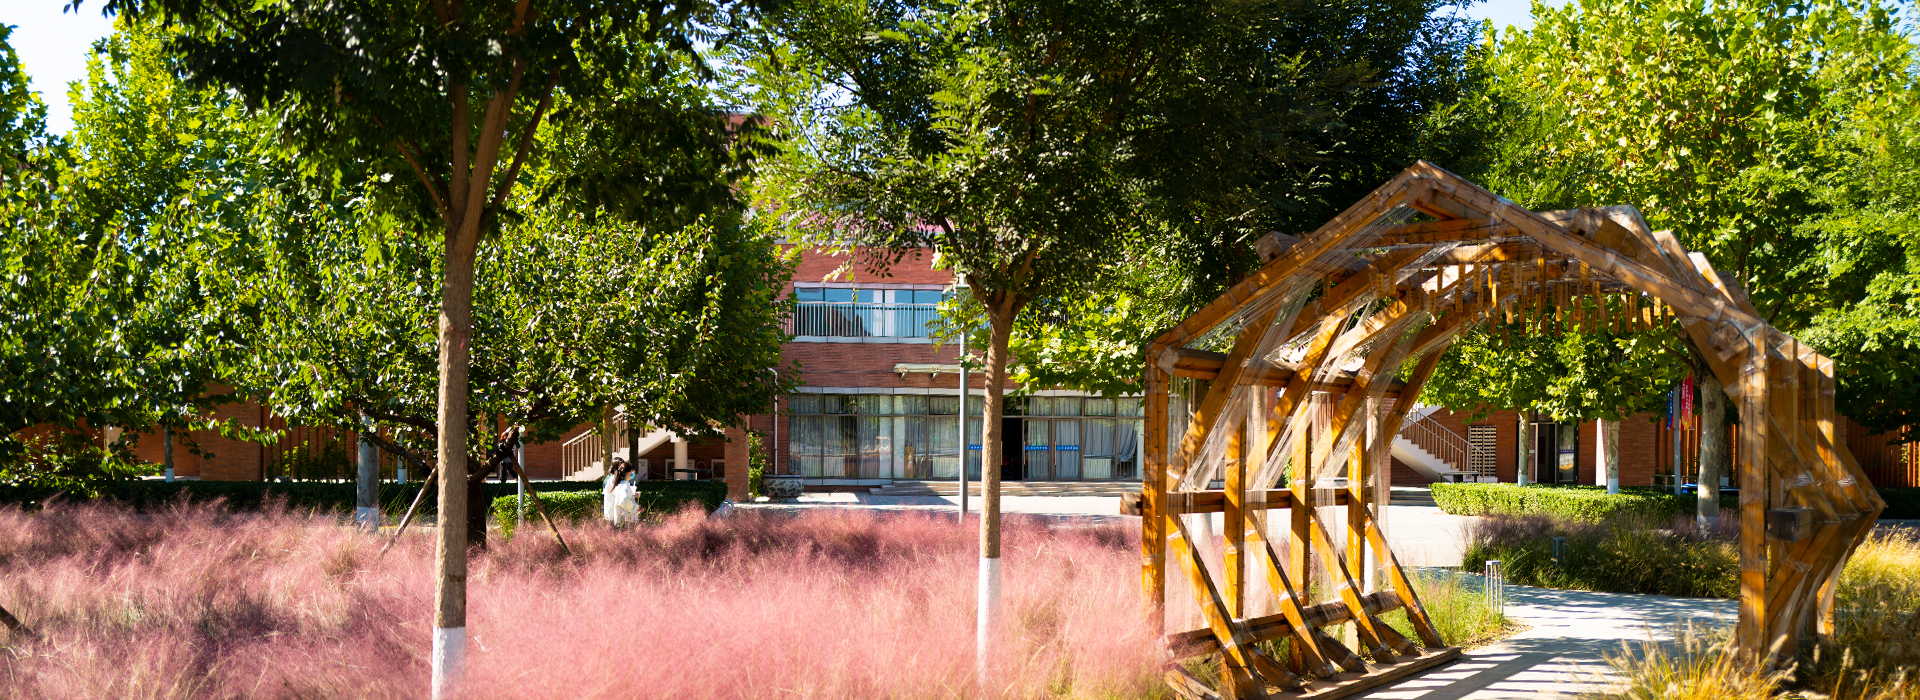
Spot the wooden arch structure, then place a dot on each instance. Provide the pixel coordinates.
(1280, 397)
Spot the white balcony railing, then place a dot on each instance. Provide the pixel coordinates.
(837, 319)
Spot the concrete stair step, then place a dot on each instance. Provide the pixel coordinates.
(1009, 488)
(1411, 496)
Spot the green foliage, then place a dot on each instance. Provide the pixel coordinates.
(1625, 553)
(336, 497)
(1572, 377)
(756, 463)
(656, 498)
(98, 332)
(1776, 137)
(1589, 503)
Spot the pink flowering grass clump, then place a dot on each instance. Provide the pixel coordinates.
(198, 602)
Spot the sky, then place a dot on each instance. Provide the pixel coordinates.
(53, 45)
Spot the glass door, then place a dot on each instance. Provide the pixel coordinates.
(1038, 448)
(1568, 454)
(1066, 449)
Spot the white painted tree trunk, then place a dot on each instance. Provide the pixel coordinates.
(366, 512)
(1609, 452)
(1523, 449)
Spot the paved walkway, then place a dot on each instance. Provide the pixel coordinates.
(1562, 654)
(1421, 535)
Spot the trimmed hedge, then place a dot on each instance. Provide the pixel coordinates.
(337, 497)
(660, 497)
(1902, 504)
(1589, 503)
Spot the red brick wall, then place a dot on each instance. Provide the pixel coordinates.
(914, 268)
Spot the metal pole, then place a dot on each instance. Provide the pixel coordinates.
(1673, 433)
(773, 450)
(963, 427)
(519, 465)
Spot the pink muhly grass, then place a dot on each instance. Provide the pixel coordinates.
(197, 602)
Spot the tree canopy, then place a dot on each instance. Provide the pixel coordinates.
(1763, 133)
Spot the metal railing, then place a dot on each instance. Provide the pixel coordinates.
(835, 319)
(1448, 446)
(587, 450)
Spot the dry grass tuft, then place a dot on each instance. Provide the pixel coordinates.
(1873, 654)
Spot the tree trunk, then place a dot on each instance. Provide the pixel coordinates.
(1523, 448)
(1609, 439)
(1713, 446)
(450, 546)
(366, 512)
(1000, 320)
(166, 449)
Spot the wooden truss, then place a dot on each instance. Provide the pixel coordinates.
(1298, 401)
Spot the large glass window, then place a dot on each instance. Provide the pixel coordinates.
(880, 436)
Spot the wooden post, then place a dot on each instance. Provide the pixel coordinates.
(1234, 536)
(1357, 475)
(1750, 633)
(1300, 484)
(1153, 496)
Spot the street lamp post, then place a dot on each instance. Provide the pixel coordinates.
(960, 285)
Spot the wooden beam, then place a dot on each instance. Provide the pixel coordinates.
(1221, 391)
(1326, 239)
(1230, 633)
(1445, 231)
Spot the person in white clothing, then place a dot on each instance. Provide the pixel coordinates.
(617, 504)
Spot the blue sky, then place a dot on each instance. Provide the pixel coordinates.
(53, 45)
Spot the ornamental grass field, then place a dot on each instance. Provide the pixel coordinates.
(195, 601)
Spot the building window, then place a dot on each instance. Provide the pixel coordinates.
(877, 436)
(1480, 459)
(846, 312)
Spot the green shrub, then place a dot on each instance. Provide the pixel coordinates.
(568, 506)
(337, 497)
(1590, 503)
(654, 497)
(1902, 503)
(1631, 553)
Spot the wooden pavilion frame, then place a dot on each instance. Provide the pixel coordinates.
(1313, 343)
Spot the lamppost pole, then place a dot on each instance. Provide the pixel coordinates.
(959, 285)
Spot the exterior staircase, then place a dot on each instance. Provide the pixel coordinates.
(581, 457)
(1435, 452)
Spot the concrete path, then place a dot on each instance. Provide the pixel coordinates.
(1562, 654)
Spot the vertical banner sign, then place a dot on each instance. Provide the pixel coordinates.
(1673, 406)
(1686, 396)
